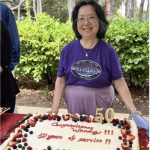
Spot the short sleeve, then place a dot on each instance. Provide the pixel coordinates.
(61, 68)
(116, 71)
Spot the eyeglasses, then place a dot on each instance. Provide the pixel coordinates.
(90, 18)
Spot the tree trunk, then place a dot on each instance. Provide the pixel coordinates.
(27, 7)
(141, 10)
(147, 11)
(127, 9)
(133, 2)
(112, 8)
(19, 5)
(34, 8)
(107, 9)
(18, 13)
(39, 6)
(71, 4)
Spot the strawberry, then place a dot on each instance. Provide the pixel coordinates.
(127, 121)
(130, 137)
(74, 116)
(19, 130)
(31, 122)
(39, 116)
(50, 117)
(123, 131)
(65, 117)
(124, 146)
(54, 116)
(12, 143)
(96, 119)
(18, 135)
(88, 119)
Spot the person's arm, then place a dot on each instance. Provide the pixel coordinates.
(58, 93)
(8, 17)
(122, 88)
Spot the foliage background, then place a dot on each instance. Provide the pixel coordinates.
(43, 37)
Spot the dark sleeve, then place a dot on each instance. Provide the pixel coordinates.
(5, 46)
(8, 17)
(9, 87)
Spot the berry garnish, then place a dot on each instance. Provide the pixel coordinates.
(24, 139)
(25, 135)
(65, 117)
(130, 137)
(31, 122)
(58, 118)
(12, 143)
(49, 148)
(123, 131)
(25, 144)
(18, 135)
(19, 146)
(31, 132)
(29, 148)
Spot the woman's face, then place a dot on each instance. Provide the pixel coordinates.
(87, 22)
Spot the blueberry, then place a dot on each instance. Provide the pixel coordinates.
(26, 129)
(104, 121)
(58, 118)
(25, 135)
(31, 132)
(28, 126)
(49, 148)
(120, 137)
(14, 147)
(18, 140)
(23, 148)
(25, 144)
(19, 146)
(114, 123)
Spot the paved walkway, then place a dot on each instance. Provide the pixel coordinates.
(28, 109)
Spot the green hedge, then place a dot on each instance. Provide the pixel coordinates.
(130, 39)
(41, 42)
(42, 39)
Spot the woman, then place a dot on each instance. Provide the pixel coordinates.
(9, 87)
(89, 66)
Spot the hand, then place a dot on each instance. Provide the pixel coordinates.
(53, 111)
(136, 112)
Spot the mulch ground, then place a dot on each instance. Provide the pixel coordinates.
(39, 95)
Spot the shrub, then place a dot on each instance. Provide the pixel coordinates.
(41, 42)
(130, 39)
(43, 37)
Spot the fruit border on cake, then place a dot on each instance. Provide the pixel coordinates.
(19, 140)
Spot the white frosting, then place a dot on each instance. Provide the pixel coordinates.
(68, 137)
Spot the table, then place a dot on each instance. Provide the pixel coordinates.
(8, 119)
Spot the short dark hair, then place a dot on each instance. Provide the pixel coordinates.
(100, 14)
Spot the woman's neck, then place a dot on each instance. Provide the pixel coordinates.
(88, 43)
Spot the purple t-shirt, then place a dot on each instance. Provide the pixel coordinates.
(97, 70)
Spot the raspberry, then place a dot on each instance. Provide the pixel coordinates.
(24, 139)
(29, 148)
